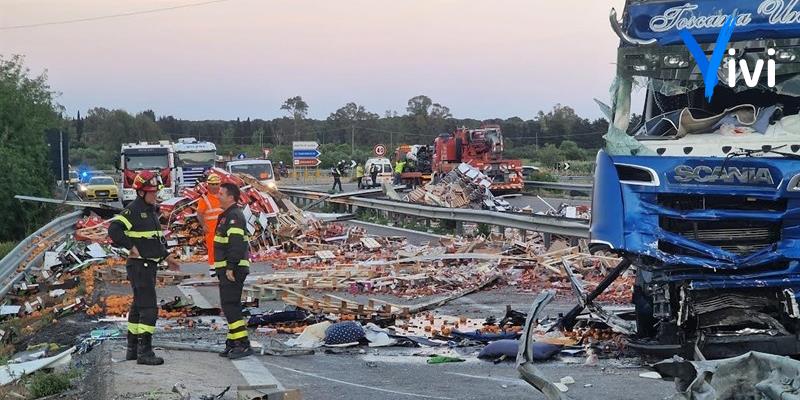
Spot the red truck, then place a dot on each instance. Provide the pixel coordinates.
(483, 149)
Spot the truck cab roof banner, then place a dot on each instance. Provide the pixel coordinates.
(760, 19)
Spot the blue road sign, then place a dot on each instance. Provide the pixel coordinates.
(241, 156)
(306, 153)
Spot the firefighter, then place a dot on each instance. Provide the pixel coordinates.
(138, 230)
(208, 210)
(232, 262)
(360, 175)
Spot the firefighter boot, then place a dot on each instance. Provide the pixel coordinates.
(146, 354)
(133, 343)
(241, 348)
(228, 348)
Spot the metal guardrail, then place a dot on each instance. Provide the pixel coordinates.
(566, 178)
(530, 222)
(8, 265)
(578, 187)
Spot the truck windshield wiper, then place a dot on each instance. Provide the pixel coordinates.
(741, 152)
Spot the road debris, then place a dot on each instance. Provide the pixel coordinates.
(463, 187)
(752, 375)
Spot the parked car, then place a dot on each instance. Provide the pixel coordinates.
(528, 171)
(99, 188)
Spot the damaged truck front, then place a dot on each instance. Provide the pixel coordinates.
(702, 192)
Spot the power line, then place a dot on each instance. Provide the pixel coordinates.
(101, 17)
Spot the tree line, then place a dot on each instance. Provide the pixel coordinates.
(98, 134)
(28, 108)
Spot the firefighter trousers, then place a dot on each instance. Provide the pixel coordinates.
(144, 311)
(230, 295)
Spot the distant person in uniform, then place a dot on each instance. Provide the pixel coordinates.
(208, 210)
(360, 175)
(373, 174)
(336, 172)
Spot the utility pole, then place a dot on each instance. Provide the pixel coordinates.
(64, 182)
(352, 140)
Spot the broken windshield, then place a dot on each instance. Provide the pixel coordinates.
(675, 113)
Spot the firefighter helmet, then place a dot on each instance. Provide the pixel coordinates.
(146, 181)
(214, 179)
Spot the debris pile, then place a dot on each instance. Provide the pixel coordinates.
(463, 187)
(551, 273)
(182, 228)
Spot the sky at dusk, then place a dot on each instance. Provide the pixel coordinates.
(243, 58)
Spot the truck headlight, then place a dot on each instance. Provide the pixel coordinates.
(82, 188)
(794, 184)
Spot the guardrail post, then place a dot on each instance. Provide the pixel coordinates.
(459, 228)
(547, 240)
(522, 234)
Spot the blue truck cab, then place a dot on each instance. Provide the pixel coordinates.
(703, 194)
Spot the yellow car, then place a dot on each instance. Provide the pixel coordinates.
(99, 188)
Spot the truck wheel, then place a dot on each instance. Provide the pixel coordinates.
(600, 249)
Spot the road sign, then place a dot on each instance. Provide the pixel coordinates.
(306, 162)
(241, 156)
(306, 154)
(353, 163)
(305, 145)
(379, 150)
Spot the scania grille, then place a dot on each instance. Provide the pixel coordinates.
(687, 202)
(737, 236)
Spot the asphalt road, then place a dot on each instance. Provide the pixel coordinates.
(365, 373)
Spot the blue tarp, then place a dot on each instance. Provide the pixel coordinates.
(704, 19)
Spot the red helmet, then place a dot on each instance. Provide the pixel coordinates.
(146, 181)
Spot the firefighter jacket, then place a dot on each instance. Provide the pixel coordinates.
(138, 225)
(230, 240)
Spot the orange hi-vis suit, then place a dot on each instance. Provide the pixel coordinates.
(210, 209)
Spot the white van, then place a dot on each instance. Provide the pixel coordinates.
(385, 172)
(259, 169)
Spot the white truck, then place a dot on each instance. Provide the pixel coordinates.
(192, 159)
(157, 157)
(257, 168)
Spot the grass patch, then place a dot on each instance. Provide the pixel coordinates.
(6, 247)
(43, 384)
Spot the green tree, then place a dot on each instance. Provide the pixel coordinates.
(297, 109)
(558, 124)
(427, 118)
(548, 156)
(349, 121)
(571, 151)
(27, 108)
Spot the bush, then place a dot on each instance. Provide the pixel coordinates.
(548, 156)
(6, 247)
(44, 384)
(543, 176)
(484, 229)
